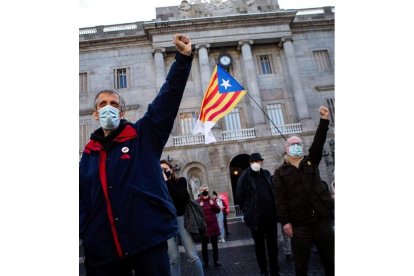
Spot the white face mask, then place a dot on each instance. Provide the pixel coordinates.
(255, 166)
(295, 150)
(109, 117)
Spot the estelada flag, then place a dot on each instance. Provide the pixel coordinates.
(221, 96)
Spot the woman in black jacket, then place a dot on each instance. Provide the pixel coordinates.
(177, 187)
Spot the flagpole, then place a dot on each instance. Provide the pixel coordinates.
(266, 115)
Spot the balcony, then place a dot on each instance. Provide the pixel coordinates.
(231, 135)
(246, 133)
(287, 129)
(186, 140)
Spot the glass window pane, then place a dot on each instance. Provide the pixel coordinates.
(232, 120)
(121, 78)
(275, 113)
(322, 61)
(265, 64)
(187, 122)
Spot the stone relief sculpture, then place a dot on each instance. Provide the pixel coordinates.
(185, 6)
(194, 185)
(210, 4)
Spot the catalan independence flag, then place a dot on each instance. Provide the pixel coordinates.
(222, 95)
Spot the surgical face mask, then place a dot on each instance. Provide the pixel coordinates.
(109, 117)
(295, 150)
(205, 193)
(255, 166)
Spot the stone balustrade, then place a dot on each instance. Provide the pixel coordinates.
(186, 140)
(239, 134)
(287, 129)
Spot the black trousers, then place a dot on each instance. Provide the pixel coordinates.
(151, 262)
(322, 235)
(265, 239)
(226, 227)
(204, 250)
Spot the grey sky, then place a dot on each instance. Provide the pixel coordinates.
(107, 12)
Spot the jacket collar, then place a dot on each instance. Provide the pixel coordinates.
(127, 133)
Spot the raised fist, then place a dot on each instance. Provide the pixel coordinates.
(324, 111)
(183, 44)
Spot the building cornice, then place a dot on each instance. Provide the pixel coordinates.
(217, 22)
(314, 25)
(113, 42)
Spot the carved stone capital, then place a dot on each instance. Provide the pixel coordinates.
(283, 40)
(159, 50)
(201, 45)
(243, 42)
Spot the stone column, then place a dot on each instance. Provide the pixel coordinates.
(251, 86)
(159, 54)
(202, 51)
(298, 94)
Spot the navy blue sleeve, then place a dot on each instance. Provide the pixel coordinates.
(163, 110)
(83, 214)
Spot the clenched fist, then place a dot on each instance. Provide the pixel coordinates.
(183, 44)
(324, 111)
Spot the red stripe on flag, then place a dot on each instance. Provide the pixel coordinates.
(217, 103)
(224, 108)
(208, 96)
(206, 101)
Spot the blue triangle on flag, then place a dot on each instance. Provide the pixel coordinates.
(226, 83)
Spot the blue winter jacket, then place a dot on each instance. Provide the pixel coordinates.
(125, 207)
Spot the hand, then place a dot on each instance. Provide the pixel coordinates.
(287, 228)
(324, 111)
(201, 203)
(165, 177)
(182, 44)
(211, 202)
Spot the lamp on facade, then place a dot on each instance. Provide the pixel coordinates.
(331, 153)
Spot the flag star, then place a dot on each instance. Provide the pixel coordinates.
(225, 83)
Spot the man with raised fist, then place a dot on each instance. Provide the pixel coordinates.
(126, 214)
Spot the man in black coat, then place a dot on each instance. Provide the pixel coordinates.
(304, 204)
(254, 194)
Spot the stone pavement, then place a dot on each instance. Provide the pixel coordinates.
(238, 258)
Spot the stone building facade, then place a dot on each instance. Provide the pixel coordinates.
(284, 59)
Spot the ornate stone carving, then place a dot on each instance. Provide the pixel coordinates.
(184, 6)
(211, 4)
(250, 2)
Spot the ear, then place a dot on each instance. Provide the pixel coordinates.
(121, 114)
(95, 114)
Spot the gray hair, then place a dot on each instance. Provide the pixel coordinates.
(109, 91)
